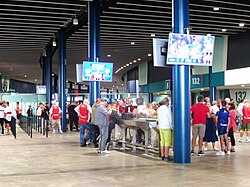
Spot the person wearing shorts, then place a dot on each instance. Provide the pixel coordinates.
(165, 123)
(199, 113)
(223, 121)
(245, 121)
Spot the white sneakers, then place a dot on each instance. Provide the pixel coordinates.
(205, 149)
(240, 140)
(222, 153)
(247, 140)
(215, 149)
(105, 152)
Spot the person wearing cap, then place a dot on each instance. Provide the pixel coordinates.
(101, 119)
(95, 128)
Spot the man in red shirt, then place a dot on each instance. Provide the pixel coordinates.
(199, 113)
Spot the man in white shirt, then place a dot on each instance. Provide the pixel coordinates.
(165, 123)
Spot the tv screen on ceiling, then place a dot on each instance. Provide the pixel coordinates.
(193, 50)
(100, 71)
(40, 89)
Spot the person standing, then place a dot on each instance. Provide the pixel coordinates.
(84, 113)
(101, 119)
(73, 116)
(18, 113)
(223, 122)
(166, 128)
(232, 127)
(29, 114)
(245, 120)
(95, 128)
(8, 115)
(2, 117)
(199, 113)
(55, 112)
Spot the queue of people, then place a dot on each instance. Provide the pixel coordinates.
(221, 118)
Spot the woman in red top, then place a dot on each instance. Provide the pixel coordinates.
(232, 126)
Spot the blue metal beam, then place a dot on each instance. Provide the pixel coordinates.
(94, 44)
(62, 74)
(181, 90)
(48, 73)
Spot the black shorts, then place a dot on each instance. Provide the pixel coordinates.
(7, 122)
(18, 116)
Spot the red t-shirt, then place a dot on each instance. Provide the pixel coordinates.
(199, 113)
(246, 113)
(232, 120)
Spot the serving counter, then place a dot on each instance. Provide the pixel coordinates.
(146, 125)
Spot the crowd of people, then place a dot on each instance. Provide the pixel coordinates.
(222, 118)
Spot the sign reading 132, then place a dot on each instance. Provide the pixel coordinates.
(240, 95)
(196, 80)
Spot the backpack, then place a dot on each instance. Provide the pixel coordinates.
(83, 114)
(55, 113)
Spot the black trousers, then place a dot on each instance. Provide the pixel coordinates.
(96, 133)
(75, 121)
(231, 136)
(2, 122)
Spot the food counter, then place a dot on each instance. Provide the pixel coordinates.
(146, 125)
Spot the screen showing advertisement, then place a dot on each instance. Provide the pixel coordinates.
(100, 71)
(196, 50)
(40, 89)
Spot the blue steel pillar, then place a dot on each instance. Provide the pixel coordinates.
(181, 91)
(212, 89)
(62, 74)
(94, 44)
(44, 70)
(49, 74)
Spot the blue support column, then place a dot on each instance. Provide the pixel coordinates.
(62, 74)
(150, 97)
(212, 89)
(181, 91)
(49, 74)
(94, 44)
(44, 70)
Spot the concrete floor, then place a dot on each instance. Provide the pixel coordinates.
(59, 161)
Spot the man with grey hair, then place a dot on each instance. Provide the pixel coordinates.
(101, 119)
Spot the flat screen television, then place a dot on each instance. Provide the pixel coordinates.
(40, 89)
(100, 71)
(196, 50)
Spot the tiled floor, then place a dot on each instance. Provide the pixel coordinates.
(59, 161)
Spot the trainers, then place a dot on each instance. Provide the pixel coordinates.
(201, 153)
(192, 152)
(228, 153)
(205, 149)
(220, 153)
(216, 149)
(105, 152)
(169, 158)
(240, 140)
(247, 140)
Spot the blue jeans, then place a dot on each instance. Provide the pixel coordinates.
(83, 127)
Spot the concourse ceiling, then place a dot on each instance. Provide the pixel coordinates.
(27, 25)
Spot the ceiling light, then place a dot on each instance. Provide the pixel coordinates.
(139, 59)
(75, 21)
(53, 74)
(35, 80)
(25, 76)
(149, 54)
(134, 61)
(132, 43)
(54, 41)
(242, 85)
(216, 8)
(109, 55)
(130, 62)
(124, 66)
(121, 67)
(152, 35)
(241, 24)
(122, 84)
(127, 64)
(224, 30)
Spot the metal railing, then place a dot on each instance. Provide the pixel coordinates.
(34, 123)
